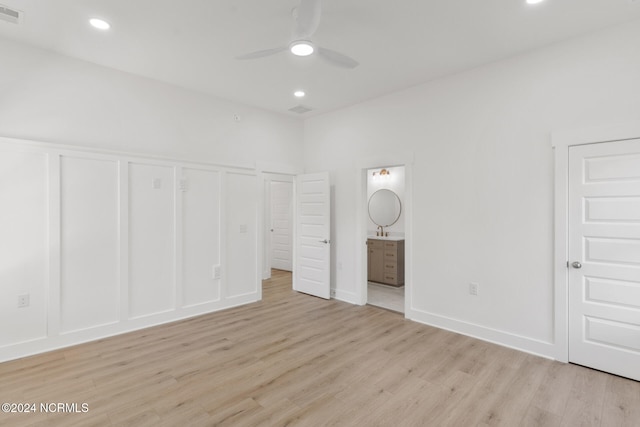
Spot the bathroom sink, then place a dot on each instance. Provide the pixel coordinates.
(393, 238)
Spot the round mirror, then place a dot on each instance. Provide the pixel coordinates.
(384, 207)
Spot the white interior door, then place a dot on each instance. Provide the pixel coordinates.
(604, 257)
(311, 272)
(282, 225)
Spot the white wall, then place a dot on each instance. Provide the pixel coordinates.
(483, 175)
(105, 243)
(89, 242)
(85, 233)
(483, 178)
(23, 237)
(48, 97)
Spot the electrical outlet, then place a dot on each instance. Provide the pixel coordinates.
(23, 301)
(216, 272)
(473, 288)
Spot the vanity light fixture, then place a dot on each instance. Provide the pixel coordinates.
(534, 1)
(383, 173)
(299, 94)
(100, 24)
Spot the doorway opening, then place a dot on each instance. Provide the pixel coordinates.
(385, 198)
(296, 236)
(278, 226)
(278, 286)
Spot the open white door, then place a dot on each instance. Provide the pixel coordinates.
(311, 273)
(604, 257)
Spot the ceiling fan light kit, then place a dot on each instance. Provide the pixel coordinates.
(100, 24)
(306, 19)
(301, 48)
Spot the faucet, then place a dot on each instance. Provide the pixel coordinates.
(381, 232)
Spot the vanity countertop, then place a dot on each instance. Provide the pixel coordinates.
(392, 238)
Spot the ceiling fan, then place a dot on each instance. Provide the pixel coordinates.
(306, 19)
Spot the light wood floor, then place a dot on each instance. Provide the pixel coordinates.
(293, 359)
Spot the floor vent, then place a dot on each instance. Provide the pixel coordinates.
(300, 109)
(10, 15)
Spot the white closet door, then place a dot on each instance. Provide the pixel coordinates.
(604, 257)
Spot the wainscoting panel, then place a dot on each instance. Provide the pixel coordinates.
(99, 243)
(151, 239)
(200, 192)
(23, 245)
(241, 228)
(89, 236)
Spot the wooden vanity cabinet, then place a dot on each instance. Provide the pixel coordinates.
(385, 261)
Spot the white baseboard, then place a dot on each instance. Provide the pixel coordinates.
(536, 347)
(69, 339)
(345, 296)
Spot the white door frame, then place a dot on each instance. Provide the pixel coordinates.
(362, 166)
(561, 141)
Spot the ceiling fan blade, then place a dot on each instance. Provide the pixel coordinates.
(262, 53)
(337, 59)
(307, 18)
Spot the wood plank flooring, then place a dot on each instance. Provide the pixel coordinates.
(293, 359)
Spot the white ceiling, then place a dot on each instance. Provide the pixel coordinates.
(193, 43)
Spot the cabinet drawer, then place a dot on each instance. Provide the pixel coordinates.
(391, 267)
(390, 245)
(390, 256)
(390, 278)
(375, 244)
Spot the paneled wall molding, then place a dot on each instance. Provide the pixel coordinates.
(27, 144)
(104, 242)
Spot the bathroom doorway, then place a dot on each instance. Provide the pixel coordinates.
(385, 200)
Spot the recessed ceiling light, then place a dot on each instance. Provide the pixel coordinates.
(301, 48)
(99, 24)
(534, 1)
(299, 93)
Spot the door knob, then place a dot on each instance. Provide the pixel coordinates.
(325, 241)
(576, 264)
